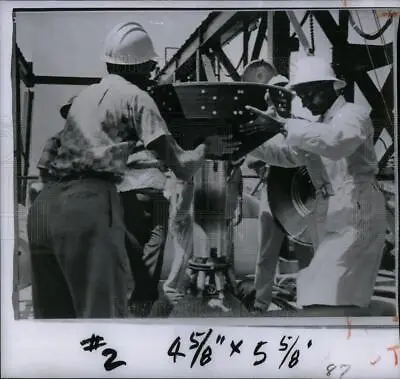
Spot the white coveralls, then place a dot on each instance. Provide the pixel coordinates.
(347, 227)
(270, 239)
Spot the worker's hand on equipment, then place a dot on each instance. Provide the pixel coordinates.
(281, 98)
(270, 113)
(262, 171)
(257, 166)
(276, 112)
(267, 121)
(218, 146)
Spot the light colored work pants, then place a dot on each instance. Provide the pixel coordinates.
(270, 239)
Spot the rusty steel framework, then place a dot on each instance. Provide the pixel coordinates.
(202, 56)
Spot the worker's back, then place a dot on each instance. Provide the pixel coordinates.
(107, 122)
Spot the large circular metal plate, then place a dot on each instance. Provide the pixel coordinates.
(209, 101)
(195, 110)
(291, 197)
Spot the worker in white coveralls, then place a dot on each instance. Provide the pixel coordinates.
(347, 226)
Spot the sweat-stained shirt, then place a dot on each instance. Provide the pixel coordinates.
(107, 123)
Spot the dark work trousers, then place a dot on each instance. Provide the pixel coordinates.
(146, 220)
(79, 263)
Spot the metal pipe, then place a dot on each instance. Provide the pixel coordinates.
(66, 80)
(262, 29)
(28, 130)
(17, 119)
(224, 60)
(299, 31)
(270, 40)
(25, 68)
(28, 177)
(218, 28)
(246, 37)
(198, 61)
(16, 113)
(396, 128)
(303, 20)
(166, 49)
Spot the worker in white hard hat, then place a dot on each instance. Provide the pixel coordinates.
(84, 251)
(258, 71)
(270, 234)
(347, 226)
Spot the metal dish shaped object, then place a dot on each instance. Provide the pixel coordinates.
(291, 196)
(195, 110)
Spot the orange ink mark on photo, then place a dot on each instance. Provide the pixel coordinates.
(395, 318)
(388, 13)
(348, 328)
(394, 348)
(374, 362)
(344, 3)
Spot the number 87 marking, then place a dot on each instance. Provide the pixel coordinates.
(330, 368)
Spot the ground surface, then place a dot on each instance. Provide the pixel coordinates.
(383, 304)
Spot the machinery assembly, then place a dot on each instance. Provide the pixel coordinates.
(200, 91)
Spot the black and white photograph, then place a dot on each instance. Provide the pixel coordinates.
(205, 163)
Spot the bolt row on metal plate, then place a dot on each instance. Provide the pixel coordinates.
(214, 98)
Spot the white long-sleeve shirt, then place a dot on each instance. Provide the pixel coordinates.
(347, 226)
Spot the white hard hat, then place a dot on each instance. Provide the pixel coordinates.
(259, 71)
(315, 69)
(128, 44)
(279, 80)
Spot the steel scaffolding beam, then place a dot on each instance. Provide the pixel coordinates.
(24, 68)
(216, 30)
(66, 80)
(261, 32)
(351, 61)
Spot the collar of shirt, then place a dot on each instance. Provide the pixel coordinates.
(113, 77)
(330, 113)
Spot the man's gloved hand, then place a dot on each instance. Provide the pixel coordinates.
(262, 172)
(255, 164)
(267, 121)
(281, 98)
(260, 168)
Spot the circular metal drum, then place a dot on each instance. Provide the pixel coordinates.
(215, 202)
(291, 196)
